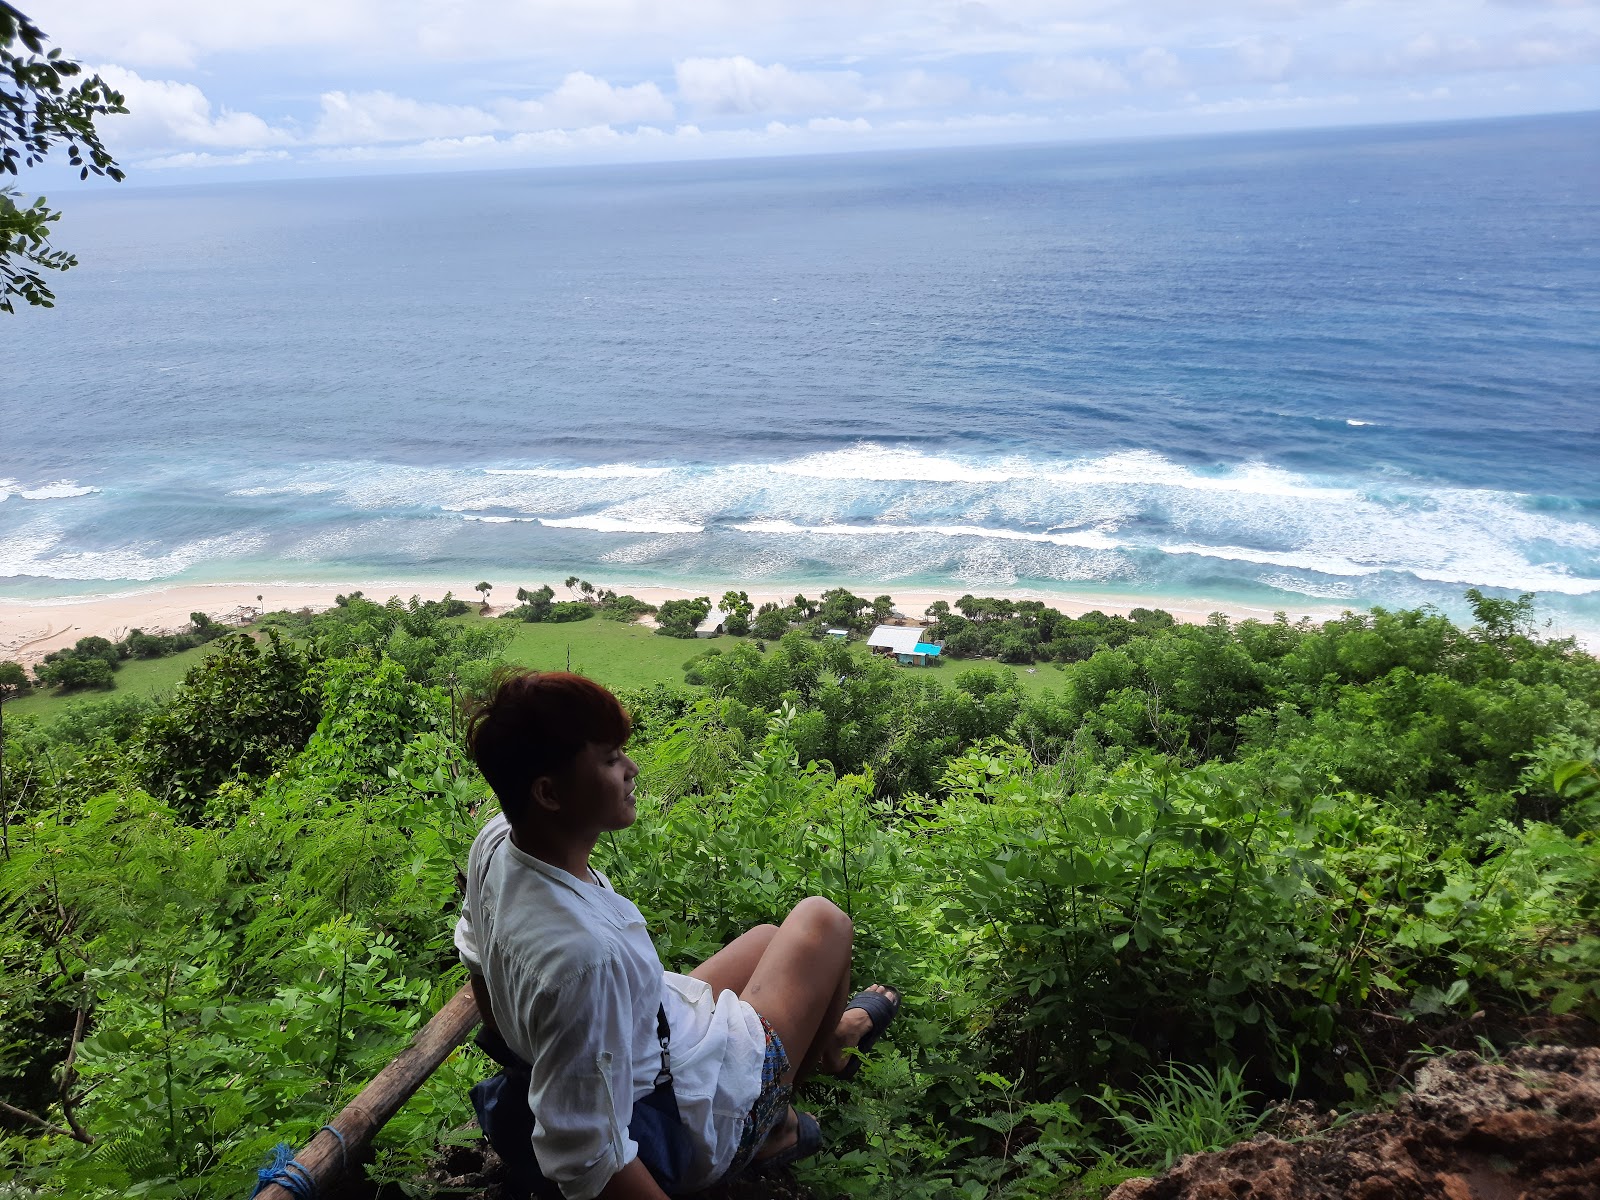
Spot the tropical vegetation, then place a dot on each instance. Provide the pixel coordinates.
(1217, 866)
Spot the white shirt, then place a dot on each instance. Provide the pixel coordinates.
(574, 982)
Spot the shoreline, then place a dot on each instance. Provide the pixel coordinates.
(30, 629)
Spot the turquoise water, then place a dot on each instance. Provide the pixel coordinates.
(1344, 367)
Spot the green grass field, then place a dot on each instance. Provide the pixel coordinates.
(624, 656)
(620, 656)
(137, 677)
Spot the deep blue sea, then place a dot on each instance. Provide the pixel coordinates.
(1344, 367)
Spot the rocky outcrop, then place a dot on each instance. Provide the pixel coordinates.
(1525, 1127)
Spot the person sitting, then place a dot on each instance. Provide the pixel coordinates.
(564, 971)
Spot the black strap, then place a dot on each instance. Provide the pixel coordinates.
(664, 1034)
(495, 1047)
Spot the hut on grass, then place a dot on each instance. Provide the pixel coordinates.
(904, 645)
(711, 624)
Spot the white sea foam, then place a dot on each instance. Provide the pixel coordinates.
(1323, 564)
(62, 489)
(1527, 579)
(1088, 539)
(886, 511)
(610, 471)
(44, 556)
(1357, 424)
(1146, 469)
(604, 524)
(870, 461)
(309, 487)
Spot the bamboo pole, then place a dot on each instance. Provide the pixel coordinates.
(323, 1158)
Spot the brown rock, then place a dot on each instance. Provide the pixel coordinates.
(1524, 1128)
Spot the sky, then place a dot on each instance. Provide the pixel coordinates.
(232, 89)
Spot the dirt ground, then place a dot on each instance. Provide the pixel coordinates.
(1526, 1127)
(1523, 1127)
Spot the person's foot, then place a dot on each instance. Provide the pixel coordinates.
(784, 1135)
(853, 1026)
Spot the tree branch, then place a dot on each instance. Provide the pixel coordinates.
(38, 1122)
(69, 1076)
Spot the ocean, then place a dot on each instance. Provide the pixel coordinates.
(1346, 367)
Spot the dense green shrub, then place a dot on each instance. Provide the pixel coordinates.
(1028, 630)
(680, 618)
(1123, 912)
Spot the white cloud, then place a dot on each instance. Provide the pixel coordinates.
(163, 113)
(204, 158)
(1158, 68)
(839, 125)
(497, 79)
(741, 85)
(1259, 104)
(1265, 60)
(1431, 53)
(1065, 78)
(581, 100)
(361, 117)
(922, 89)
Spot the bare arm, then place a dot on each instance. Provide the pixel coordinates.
(633, 1182)
(480, 993)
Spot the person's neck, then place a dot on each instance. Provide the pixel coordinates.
(565, 851)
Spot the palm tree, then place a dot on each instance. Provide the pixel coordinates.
(484, 589)
(571, 584)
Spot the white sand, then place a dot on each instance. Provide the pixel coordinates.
(31, 629)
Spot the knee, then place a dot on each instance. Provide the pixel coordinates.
(763, 932)
(824, 916)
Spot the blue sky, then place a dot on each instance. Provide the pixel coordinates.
(229, 89)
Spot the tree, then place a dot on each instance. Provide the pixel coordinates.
(483, 589)
(38, 110)
(87, 664)
(770, 623)
(1500, 620)
(571, 584)
(737, 607)
(882, 608)
(13, 680)
(842, 607)
(680, 618)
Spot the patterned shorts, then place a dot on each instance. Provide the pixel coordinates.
(767, 1113)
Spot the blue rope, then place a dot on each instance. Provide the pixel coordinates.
(285, 1171)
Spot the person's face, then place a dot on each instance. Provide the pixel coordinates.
(597, 789)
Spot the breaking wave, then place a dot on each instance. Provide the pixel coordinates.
(62, 489)
(1134, 520)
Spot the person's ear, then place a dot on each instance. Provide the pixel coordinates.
(545, 795)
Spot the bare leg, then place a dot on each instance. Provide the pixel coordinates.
(730, 968)
(799, 984)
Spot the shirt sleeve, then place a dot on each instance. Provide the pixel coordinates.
(467, 941)
(581, 1092)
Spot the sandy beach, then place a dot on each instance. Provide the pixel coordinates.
(31, 629)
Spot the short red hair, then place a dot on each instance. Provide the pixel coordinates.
(535, 723)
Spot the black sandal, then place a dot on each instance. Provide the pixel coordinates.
(881, 1009)
(807, 1141)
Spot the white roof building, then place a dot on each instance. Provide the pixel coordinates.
(896, 639)
(711, 624)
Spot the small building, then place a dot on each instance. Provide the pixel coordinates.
(711, 624)
(904, 645)
(838, 635)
